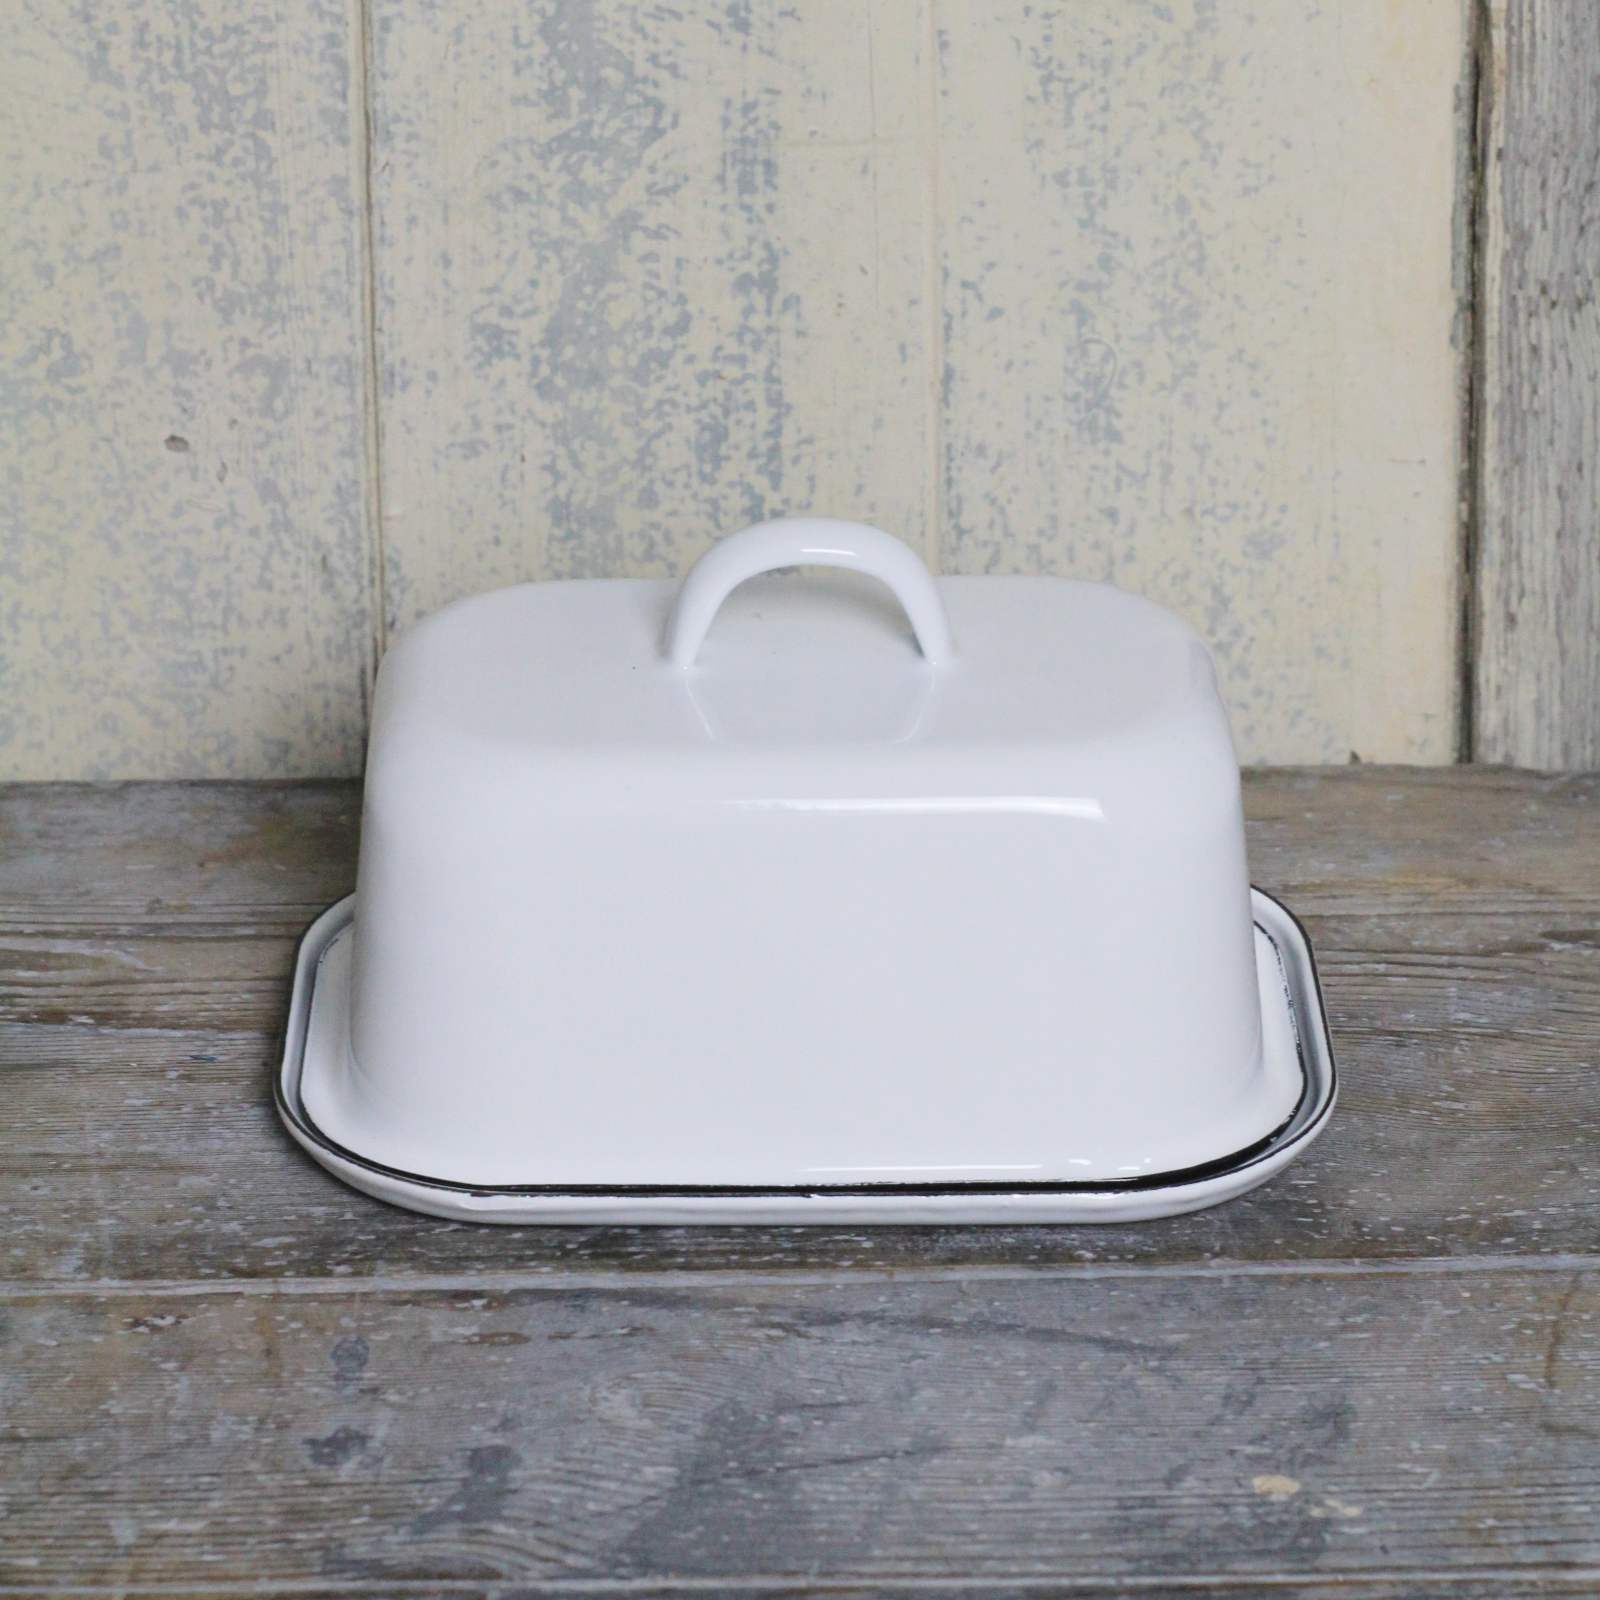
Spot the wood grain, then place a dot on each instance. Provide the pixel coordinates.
(1456, 917)
(1536, 648)
(223, 1373)
(874, 1429)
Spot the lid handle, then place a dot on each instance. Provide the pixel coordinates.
(806, 542)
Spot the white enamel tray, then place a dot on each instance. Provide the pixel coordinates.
(1293, 1025)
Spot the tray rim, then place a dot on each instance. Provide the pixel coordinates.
(1147, 1197)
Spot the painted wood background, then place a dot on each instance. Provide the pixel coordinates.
(184, 543)
(319, 313)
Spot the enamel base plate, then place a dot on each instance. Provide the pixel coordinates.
(1292, 1021)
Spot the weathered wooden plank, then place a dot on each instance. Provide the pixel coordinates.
(1536, 660)
(1469, 1124)
(962, 1432)
(261, 858)
(185, 583)
(644, 274)
(265, 858)
(195, 983)
(1457, 922)
(1445, 841)
(1197, 338)
(1486, 1583)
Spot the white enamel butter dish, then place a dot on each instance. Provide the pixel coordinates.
(812, 898)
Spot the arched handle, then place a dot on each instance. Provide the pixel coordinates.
(806, 542)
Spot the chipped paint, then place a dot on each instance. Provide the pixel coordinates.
(1133, 292)
(181, 536)
(1198, 339)
(643, 277)
(1275, 1485)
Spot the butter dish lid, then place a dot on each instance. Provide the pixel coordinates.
(878, 654)
(860, 877)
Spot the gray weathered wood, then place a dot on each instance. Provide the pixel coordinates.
(884, 1430)
(1380, 1375)
(1537, 613)
(147, 934)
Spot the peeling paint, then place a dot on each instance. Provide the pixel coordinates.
(1134, 292)
(1198, 326)
(1275, 1485)
(181, 539)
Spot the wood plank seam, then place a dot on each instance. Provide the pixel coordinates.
(361, 58)
(1471, 197)
(1171, 1586)
(713, 1280)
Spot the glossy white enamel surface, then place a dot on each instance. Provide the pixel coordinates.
(807, 541)
(822, 906)
(317, 1043)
